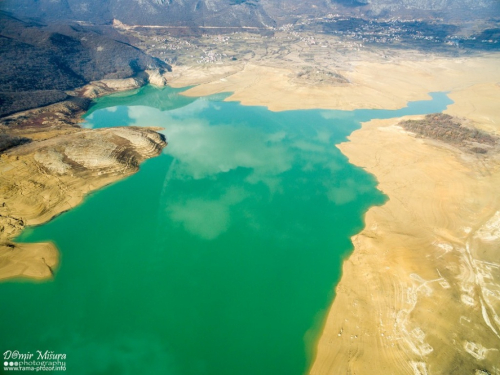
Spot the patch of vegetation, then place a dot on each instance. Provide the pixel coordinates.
(320, 76)
(11, 102)
(448, 129)
(7, 141)
(478, 150)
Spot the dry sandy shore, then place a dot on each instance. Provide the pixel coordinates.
(421, 292)
(372, 83)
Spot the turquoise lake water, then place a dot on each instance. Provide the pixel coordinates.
(219, 257)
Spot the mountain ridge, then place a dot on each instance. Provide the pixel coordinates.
(242, 13)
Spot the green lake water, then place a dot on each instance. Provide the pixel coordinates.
(219, 257)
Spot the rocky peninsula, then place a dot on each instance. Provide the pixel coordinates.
(53, 171)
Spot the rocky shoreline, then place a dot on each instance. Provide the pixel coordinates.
(57, 164)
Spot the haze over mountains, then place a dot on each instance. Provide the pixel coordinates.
(244, 13)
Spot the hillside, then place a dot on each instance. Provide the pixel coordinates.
(40, 62)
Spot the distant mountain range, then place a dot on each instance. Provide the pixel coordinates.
(48, 47)
(243, 13)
